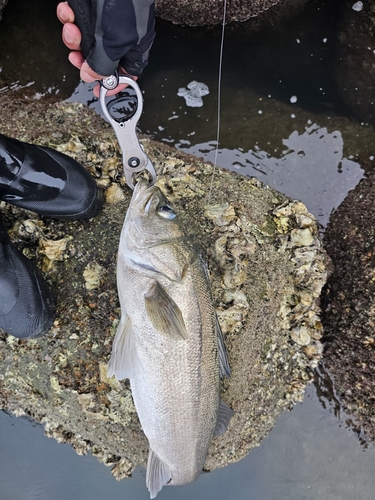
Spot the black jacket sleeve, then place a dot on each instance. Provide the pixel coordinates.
(115, 32)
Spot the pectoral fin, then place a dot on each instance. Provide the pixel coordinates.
(158, 474)
(164, 313)
(223, 356)
(225, 413)
(124, 362)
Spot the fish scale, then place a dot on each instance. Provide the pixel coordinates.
(167, 341)
(176, 397)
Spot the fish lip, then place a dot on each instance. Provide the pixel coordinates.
(143, 195)
(139, 189)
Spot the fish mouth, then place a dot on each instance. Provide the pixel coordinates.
(143, 196)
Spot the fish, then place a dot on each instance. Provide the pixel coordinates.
(168, 342)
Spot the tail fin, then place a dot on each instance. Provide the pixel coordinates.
(158, 474)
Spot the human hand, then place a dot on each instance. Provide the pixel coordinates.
(72, 38)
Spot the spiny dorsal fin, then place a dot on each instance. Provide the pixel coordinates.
(223, 356)
(158, 474)
(224, 414)
(124, 362)
(164, 313)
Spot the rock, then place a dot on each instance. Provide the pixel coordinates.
(114, 194)
(302, 237)
(2, 5)
(53, 250)
(349, 319)
(265, 286)
(92, 275)
(354, 64)
(301, 336)
(201, 12)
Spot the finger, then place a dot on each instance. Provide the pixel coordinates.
(109, 93)
(71, 36)
(89, 75)
(77, 59)
(125, 73)
(64, 13)
(119, 88)
(96, 91)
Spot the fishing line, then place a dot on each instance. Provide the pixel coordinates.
(218, 97)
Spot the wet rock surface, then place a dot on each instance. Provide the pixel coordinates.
(266, 265)
(2, 5)
(350, 310)
(201, 13)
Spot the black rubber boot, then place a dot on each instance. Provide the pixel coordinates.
(26, 304)
(46, 181)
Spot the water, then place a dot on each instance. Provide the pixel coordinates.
(282, 121)
(309, 455)
(282, 118)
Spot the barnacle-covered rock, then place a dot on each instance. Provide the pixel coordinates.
(92, 275)
(28, 229)
(265, 262)
(114, 194)
(53, 250)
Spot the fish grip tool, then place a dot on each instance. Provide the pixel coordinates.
(88, 19)
(134, 158)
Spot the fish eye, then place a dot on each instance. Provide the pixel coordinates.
(166, 212)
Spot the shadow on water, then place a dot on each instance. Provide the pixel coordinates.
(282, 120)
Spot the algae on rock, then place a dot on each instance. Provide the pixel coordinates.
(266, 266)
(349, 317)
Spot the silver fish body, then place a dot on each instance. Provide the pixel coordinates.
(168, 342)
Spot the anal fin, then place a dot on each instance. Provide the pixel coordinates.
(224, 414)
(124, 361)
(158, 474)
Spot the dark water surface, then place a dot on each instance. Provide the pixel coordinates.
(282, 120)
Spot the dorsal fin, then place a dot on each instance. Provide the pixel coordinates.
(223, 355)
